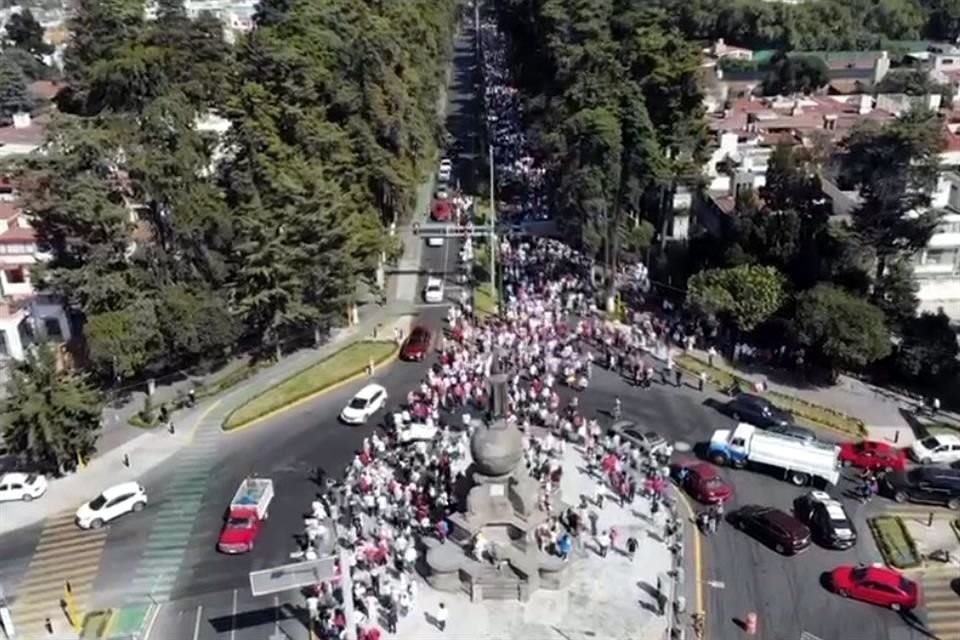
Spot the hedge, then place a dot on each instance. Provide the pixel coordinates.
(895, 543)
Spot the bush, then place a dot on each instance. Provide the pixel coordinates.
(895, 543)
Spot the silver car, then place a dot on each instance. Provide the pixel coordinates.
(646, 441)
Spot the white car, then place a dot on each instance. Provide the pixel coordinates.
(943, 448)
(114, 502)
(21, 486)
(446, 164)
(435, 241)
(444, 174)
(367, 402)
(443, 193)
(433, 292)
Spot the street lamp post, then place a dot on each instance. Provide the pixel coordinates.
(492, 120)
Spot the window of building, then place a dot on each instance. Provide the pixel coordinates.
(15, 276)
(941, 256)
(51, 328)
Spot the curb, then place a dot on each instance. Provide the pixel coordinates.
(384, 361)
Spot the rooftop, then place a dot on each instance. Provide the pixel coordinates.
(796, 114)
(18, 234)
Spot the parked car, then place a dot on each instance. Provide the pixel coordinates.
(417, 344)
(758, 411)
(433, 292)
(929, 485)
(445, 171)
(869, 454)
(876, 584)
(367, 402)
(646, 441)
(22, 486)
(114, 502)
(704, 482)
(794, 431)
(827, 519)
(775, 528)
(942, 448)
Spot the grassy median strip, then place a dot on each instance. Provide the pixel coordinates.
(810, 412)
(485, 300)
(895, 543)
(342, 365)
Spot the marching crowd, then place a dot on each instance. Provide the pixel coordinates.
(397, 492)
(393, 495)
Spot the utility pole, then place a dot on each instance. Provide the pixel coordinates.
(493, 212)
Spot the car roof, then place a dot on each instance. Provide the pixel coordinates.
(431, 281)
(14, 476)
(369, 390)
(883, 575)
(947, 438)
(420, 331)
(123, 487)
(704, 469)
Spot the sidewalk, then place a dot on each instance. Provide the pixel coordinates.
(877, 408)
(608, 597)
(151, 448)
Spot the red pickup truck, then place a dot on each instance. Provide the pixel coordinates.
(245, 516)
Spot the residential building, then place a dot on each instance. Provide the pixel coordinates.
(26, 315)
(235, 15)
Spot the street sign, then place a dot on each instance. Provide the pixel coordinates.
(442, 230)
(292, 576)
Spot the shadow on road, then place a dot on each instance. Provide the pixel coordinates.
(255, 618)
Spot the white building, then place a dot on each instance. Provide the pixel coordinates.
(235, 15)
(25, 314)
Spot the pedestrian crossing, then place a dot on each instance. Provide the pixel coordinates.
(156, 573)
(64, 553)
(942, 603)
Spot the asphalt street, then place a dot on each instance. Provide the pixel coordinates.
(211, 598)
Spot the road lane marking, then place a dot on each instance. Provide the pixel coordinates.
(64, 552)
(196, 625)
(233, 617)
(153, 621)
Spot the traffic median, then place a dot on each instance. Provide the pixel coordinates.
(345, 365)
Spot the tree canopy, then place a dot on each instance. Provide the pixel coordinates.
(747, 294)
(51, 416)
(175, 246)
(615, 110)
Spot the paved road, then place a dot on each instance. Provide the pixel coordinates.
(211, 597)
(786, 593)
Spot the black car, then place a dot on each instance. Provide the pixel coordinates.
(758, 411)
(929, 485)
(775, 528)
(827, 519)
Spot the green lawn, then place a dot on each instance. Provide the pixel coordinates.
(485, 300)
(894, 542)
(342, 365)
(804, 411)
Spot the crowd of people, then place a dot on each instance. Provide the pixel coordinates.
(398, 491)
(394, 494)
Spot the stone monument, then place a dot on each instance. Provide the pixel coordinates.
(503, 508)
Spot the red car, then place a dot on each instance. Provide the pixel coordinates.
(417, 345)
(869, 454)
(703, 482)
(239, 532)
(876, 584)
